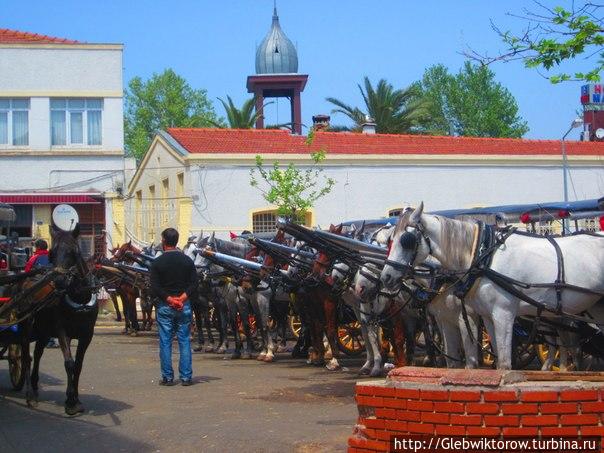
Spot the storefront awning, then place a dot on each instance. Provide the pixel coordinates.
(51, 198)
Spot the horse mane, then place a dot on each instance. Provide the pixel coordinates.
(457, 241)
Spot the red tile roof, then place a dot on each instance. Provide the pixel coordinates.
(266, 141)
(21, 37)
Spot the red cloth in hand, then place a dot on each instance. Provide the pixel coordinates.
(175, 303)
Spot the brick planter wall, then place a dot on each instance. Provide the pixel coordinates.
(485, 403)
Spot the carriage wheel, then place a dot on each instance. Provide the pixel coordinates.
(543, 354)
(15, 366)
(350, 340)
(295, 325)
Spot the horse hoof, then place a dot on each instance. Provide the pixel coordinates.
(261, 357)
(376, 372)
(199, 348)
(364, 371)
(209, 348)
(74, 410)
(32, 403)
(221, 350)
(333, 366)
(269, 358)
(235, 356)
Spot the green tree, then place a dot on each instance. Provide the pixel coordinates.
(394, 111)
(165, 100)
(293, 190)
(469, 103)
(243, 118)
(553, 36)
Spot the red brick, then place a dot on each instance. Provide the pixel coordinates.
(501, 420)
(551, 396)
(456, 408)
(435, 395)
(412, 394)
(539, 420)
(444, 430)
(431, 417)
(592, 431)
(395, 425)
(408, 416)
(489, 378)
(394, 403)
(482, 408)
(367, 432)
(559, 408)
(377, 445)
(357, 442)
(579, 395)
(384, 391)
(570, 431)
(592, 407)
(466, 420)
(501, 396)
(585, 419)
(464, 395)
(385, 413)
(520, 432)
(364, 390)
(420, 406)
(383, 435)
(373, 401)
(519, 409)
(420, 428)
(374, 423)
(489, 431)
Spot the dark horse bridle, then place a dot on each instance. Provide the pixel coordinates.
(410, 241)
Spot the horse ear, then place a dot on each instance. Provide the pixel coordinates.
(362, 229)
(130, 242)
(76, 231)
(416, 216)
(339, 228)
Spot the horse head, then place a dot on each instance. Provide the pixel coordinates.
(409, 247)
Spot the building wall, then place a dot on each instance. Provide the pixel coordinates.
(61, 69)
(157, 210)
(225, 198)
(222, 199)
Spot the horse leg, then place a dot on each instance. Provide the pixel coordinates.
(398, 338)
(503, 327)
(207, 321)
(30, 396)
(83, 344)
(71, 393)
(232, 307)
(195, 307)
(244, 313)
(116, 307)
(331, 330)
(261, 306)
(409, 324)
(223, 321)
(35, 372)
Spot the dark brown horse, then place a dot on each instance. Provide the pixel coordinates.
(71, 315)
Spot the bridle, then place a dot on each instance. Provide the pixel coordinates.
(411, 240)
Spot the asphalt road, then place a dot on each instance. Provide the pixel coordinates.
(234, 405)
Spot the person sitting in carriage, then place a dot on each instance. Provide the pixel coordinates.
(40, 257)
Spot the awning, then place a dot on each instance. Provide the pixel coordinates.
(51, 198)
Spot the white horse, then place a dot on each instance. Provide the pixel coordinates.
(522, 258)
(445, 307)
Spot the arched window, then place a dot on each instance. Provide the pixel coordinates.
(395, 212)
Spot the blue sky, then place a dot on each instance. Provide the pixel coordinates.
(212, 44)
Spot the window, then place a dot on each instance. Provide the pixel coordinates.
(165, 194)
(75, 122)
(266, 221)
(14, 122)
(395, 212)
(139, 214)
(180, 185)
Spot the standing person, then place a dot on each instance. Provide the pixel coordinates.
(173, 278)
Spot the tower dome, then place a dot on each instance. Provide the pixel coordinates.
(276, 54)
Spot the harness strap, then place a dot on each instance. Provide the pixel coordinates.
(560, 281)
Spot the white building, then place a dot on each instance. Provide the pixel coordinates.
(61, 131)
(197, 179)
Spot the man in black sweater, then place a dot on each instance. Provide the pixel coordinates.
(173, 278)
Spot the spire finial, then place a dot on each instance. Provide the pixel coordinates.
(275, 16)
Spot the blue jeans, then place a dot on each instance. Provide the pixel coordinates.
(174, 322)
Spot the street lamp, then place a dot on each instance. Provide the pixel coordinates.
(577, 122)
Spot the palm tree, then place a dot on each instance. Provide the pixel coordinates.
(394, 111)
(243, 118)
